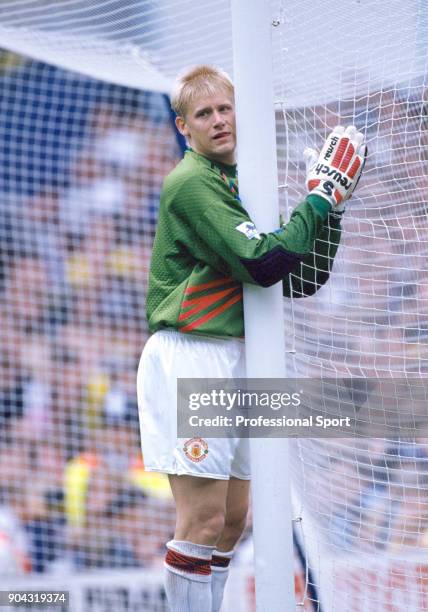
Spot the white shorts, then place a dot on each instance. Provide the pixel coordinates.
(167, 356)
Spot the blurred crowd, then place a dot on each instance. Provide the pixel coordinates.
(74, 258)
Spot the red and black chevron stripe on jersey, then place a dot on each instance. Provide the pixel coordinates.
(214, 298)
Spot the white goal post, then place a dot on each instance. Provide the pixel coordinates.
(263, 308)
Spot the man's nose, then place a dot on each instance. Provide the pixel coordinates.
(218, 118)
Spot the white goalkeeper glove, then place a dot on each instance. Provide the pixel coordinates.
(334, 173)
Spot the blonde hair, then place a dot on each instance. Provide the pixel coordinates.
(200, 80)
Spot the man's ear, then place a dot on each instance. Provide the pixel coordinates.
(181, 126)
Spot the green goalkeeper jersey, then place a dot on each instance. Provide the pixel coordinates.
(206, 246)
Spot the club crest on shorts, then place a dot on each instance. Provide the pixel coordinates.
(196, 449)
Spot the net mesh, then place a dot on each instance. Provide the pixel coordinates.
(86, 141)
(363, 503)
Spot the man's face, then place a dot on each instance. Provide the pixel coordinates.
(209, 127)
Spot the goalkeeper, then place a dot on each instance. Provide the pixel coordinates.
(206, 247)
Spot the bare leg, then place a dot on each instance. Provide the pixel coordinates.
(237, 502)
(201, 509)
(235, 521)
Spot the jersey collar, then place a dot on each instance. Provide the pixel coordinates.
(229, 170)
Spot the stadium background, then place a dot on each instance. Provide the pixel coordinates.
(82, 164)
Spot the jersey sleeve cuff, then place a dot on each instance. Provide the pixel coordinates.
(321, 205)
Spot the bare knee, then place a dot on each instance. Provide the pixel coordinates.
(201, 508)
(234, 526)
(204, 525)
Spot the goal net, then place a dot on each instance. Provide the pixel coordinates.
(363, 504)
(86, 140)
